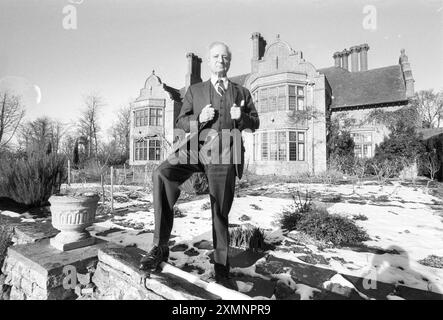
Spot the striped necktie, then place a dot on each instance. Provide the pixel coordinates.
(220, 87)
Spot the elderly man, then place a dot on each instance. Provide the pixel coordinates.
(215, 106)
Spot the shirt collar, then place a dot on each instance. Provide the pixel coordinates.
(215, 78)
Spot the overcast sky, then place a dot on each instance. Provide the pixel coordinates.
(118, 43)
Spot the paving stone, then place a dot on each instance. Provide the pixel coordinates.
(261, 287)
(179, 247)
(240, 258)
(204, 245)
(31, 232)
(191, 252)
(283, 292)
(301, 273)
(314, 259)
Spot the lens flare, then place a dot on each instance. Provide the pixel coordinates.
(29, 93)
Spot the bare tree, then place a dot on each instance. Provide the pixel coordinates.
(384, 169)
(11, 114)
(120, 130)
(430, 107)
(58, 130)
(67, 145)
(431, 163)
(43, 133)
(89, 126)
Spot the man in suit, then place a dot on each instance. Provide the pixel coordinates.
(211, 111)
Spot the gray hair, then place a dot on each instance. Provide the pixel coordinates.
(219, 43)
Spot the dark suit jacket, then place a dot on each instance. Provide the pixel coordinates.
(197, 97)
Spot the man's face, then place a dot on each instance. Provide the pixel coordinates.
(219, 60)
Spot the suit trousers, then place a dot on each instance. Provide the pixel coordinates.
(166, 181)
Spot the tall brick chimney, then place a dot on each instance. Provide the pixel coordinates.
(364, 57)
(344, 59)
(337, 59)
(258, 50)
(354, 58)
(407, 73)
(194, 70)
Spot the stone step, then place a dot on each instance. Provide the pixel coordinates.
(118, 278)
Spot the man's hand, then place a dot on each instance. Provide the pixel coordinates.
(236, 111)
(207, 114)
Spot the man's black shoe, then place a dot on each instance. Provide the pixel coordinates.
(154, 258)
(223, 278)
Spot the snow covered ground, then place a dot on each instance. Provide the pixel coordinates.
(404, 223)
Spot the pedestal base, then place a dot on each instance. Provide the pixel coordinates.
(56, 243)
(38, 271)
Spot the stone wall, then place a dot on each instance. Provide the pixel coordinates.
(19, 233)
(28, 284)
(37, 271)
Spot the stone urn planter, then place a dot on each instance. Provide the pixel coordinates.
(72, 214)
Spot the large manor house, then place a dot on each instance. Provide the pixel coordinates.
(294, 100)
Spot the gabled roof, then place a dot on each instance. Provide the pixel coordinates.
(381, 86)
(240, 79)
(174, 93)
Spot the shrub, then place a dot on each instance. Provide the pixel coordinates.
(330, 176)
(302, 204)
(206, 206)
(430, 163)
(359, 168)
(384, 169)
(290, 219)
(403, 143)
(340, 146)
(93, 170)
(319, 224)
(33, 179)
(432, 261)
(251, 238)
(331, 228)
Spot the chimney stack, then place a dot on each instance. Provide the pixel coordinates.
(344, 59)
(354, 58)
(194, 70)
(407, 73)
(364, 57)
(337, 59)
(258, 49)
